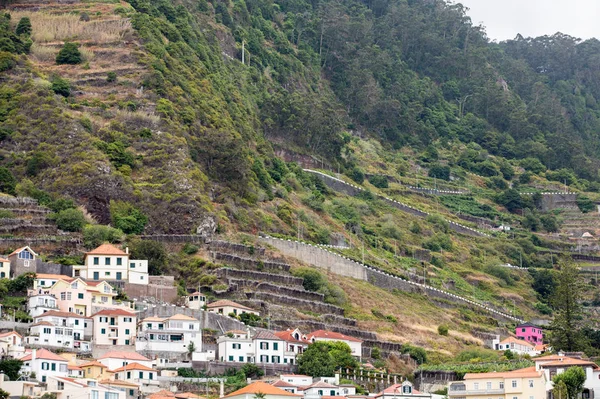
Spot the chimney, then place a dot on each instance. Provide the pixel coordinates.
(33, 353)
(127, 250)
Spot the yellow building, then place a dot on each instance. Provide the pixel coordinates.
(95, 370)
(519, 384)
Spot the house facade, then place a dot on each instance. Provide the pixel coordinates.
(266, 391)
(41, 303)
(518, 346)
(527, 383)
(137, 373)
(4, 268)
(226, 307)
(195, 301)
(44, 364)
(107, 262)
(556, 364)
(405, 390)
(116, 359)
(294, 344)
(22, 260)
(530, 333)
(114, 327)
(171, 334)
(60, 330)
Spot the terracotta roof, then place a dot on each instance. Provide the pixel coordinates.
(282, 383)
(153, 318)
(119, 383)
(106, 249)
(528, 372)
(549, 358)
(6, 260)
(93, 363)
(124, 355)
(321, 384)
(567, 361)
(188, 395)
(44, 354)
(53, 276)
(8, 334)
(513, 340)
(287, 336)
(261, 387)
(161, 393)
(332, 335)
(266, 335)
(195, 293)
(16, 251)
(114, 312)
(58, 313)
(227, 302)
(71, 380)
(73, 367)
(133, 366)
(180, 316)
(395, 389)
(42, 323)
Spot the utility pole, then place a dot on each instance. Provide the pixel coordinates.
(363, 252)
(520, 259)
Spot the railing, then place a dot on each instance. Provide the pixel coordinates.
(481, 392)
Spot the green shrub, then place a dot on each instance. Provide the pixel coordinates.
(69, 54)
(94, 235)
(111, 77)
(61, 86)
(69, 220)
(8, 183)
(6, 214)
(585, 204)
(443, 329)
(439, 172)
(24, 27)
(379, 181)
(7, 61)
(357, 175)
(190, 249)
(126, 217)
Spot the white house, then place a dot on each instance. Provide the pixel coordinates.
(108, 262)
(294, 344)
(516, 345)
(298, 380)
(556, 364)
(43, 280)
(4, 268)
(11, 344)
(226, 307)
(355, 344)
(41, 303)
(405, 390)
(268, 348)
(116, 359)
(195, 301)
(267, 391)
(67, 388)
(19, 389)
(137, 373)
(170, 334)
(114, 327)
(236, 346)
(44, 364)
(60, 330)
(321, 388)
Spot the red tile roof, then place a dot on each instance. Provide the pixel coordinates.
(9, 333)
(133, 366)
(114, 312)
(58, 313)
(44, 354)
(93, 363)
(262, 387)
(106, 249)
(124, 355)
(332, 335)
(4, 260)
(281, 383)
(395, 389)
(53, 276)
(287, 336)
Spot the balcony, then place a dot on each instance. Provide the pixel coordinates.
(113, 335)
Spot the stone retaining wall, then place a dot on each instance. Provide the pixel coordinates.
(240, 249)
(281, 279)
(277, 289)
(248, 262)
(303, 304)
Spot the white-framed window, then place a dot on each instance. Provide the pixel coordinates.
(501, 385)
(488, 386)
(476, 386)
(514, 383)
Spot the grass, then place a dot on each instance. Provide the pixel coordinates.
(47, 28)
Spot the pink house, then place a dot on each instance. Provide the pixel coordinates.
(530, 333)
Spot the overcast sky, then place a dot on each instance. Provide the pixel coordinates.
(503, 19)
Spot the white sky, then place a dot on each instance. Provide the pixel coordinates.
(503, 19)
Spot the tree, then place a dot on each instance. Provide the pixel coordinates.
(566, 327)
(94, 235)
(154, 251)
(191, 348)
(24, 27)
(61, 86)
(8, 183)
(126, 217)
(69, 219)
(324, 358)
(4, 394)
(69, 54)
(11, 367)
(571, 381)
(511, 199)
(251, 370)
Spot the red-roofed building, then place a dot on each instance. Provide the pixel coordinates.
(70, 388)
(405, 390)
(226, 307)
(109, 263)
(60, 330)
(138, 373)
(294, 343)
(116, 359)
(195, 301)
(355, 344)
(523, 383)
(4, 268)
(114, 327)
(44, 363)
(23, 260)
(259, 387)
(11, 344)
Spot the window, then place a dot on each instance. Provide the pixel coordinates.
(107, 274)
(47, 330)
(501, 385)
(76, 322)
(476, 386)
(63, 368)
(80, 295)
(151, 376)
(514, 383)
(275, 346)
(132, 265)
(131, 392)
(119, 261)
(530, 383)
(63, 296)
(231, 358)
(407, 389)
(488, 385)
(128, 374)
(522, 330)
(332, 393)
(126, 342)
(94, 395)
(264, 345)
(274, 359)
(241, 358)
(118, 275)
(53, 366)
(45, 366)
(111, 395)
(127, 331)
(141, 375)
(96, 275)
(320, 392)
(127, 319)
(25, 255)
(103, 331)
(107, 261)
(236, 346)
(264, 359)
(96, 260)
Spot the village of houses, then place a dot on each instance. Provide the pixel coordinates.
(84, 343)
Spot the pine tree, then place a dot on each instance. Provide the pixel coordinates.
(24, 26)
(568, 323)
(69, 54)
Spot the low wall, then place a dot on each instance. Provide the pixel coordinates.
(219, 368)
(303, 304)
(277, 289)
(54, 268)
(248, 262)
(240, 249)
(151, 292)
(260, 276)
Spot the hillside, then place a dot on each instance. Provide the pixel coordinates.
(434, 137)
